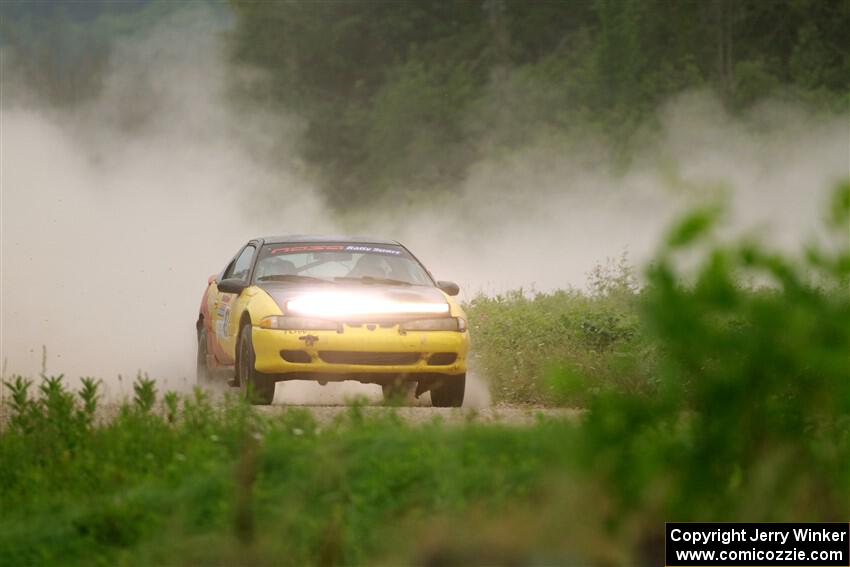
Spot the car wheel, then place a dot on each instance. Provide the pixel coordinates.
(398, 392)
(448, 393)
(202, 372)
(255, 387)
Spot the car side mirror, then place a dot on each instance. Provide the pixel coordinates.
(451, 288)
(232, 285)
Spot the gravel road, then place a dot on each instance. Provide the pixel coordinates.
(510, 415)
(328, 402)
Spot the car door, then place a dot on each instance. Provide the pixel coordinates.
(228, 307)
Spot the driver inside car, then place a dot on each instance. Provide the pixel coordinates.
(369, 265)
(275, 266)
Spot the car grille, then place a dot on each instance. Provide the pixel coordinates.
(373, 358)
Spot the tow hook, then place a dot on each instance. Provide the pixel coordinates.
(309, 340)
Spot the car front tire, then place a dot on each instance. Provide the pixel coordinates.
(448, 393)
(255, 387)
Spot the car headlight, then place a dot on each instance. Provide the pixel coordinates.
(337, 305)
(442, 324)
(298, 323)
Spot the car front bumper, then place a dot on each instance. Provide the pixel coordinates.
(368, 353)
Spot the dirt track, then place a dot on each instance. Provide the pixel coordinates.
(512, 415)
(328, 402)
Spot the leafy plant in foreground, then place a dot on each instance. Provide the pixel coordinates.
(752, 417)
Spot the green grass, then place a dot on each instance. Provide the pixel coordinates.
(191, 481)
(533, 346)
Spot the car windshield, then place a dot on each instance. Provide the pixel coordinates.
(366, 263)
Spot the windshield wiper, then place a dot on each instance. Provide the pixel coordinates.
(290, 278)
(371, 280)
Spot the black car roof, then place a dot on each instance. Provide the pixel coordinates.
(323, 238)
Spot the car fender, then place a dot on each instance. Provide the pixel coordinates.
(257, 304)
(454, 307)
(204, 309)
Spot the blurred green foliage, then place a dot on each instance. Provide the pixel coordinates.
(408, 95)
(62, 50)
(220, 484)
(751, 420)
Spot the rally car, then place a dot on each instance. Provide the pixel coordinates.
(329, 308)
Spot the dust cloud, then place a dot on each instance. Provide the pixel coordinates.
(114, 214)
(543, 218)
